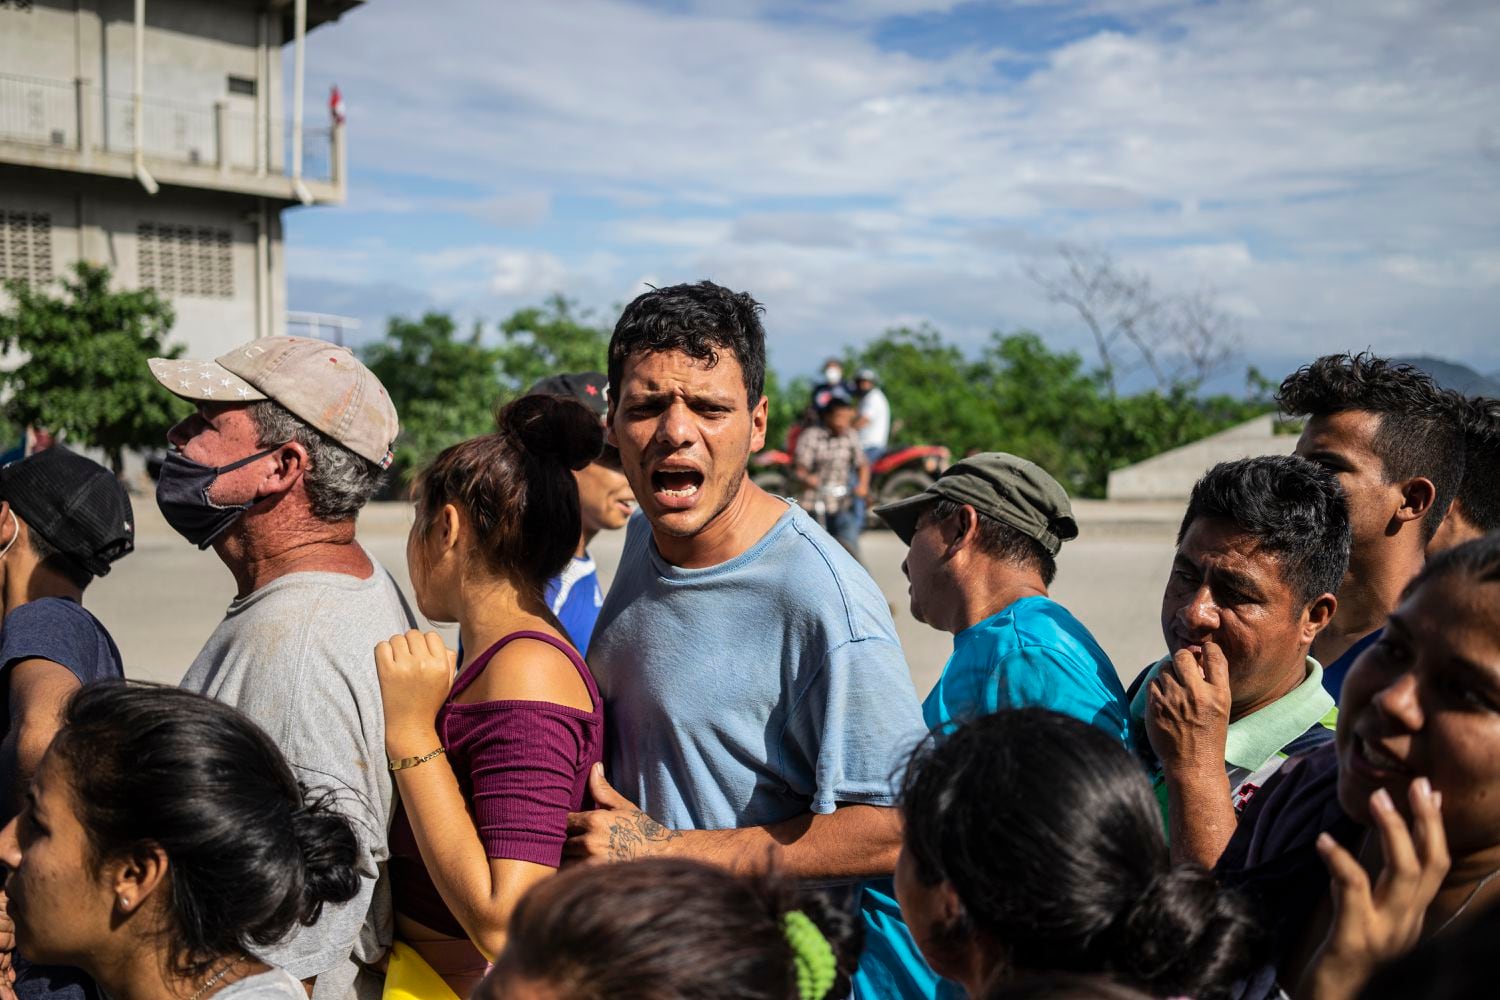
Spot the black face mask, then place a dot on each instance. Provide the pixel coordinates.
(182, 495)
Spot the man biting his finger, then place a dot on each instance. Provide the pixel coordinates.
(1262, 547)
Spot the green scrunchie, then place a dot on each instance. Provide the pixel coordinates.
(816, 967)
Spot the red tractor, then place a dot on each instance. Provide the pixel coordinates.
(901, 472)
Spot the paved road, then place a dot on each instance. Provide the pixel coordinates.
(162, 601)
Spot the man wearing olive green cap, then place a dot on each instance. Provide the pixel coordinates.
(983, 540)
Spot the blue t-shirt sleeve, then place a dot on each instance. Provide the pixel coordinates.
(580, 611)
(63, 632)
(854, 727)
(1034, 676)
(550, 593)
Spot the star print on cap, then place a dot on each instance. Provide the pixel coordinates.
(320, 383)
(589, 388)
(203, 380)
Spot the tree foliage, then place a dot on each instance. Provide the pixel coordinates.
(1019, 396)
(785, 406)
(443, 385)
(85, 376)
(446, 386)
(1015, 394)
(549, 340)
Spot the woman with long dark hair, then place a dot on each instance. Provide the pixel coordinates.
(164, 842)
(1033, 845)
(488, 764)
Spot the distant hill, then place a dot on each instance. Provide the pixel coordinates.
(1452, 375)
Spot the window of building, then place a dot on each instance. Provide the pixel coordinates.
(26, 246)
(242, 85)
(185, 260)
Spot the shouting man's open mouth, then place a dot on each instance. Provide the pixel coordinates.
(676, 486)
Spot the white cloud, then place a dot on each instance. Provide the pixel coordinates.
(1330, 168)
(523, 208)
(671, 232)
(524, 272)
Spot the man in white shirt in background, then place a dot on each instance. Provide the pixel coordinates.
(873, 422)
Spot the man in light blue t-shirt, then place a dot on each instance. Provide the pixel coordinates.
(758, 705)
(983, 540)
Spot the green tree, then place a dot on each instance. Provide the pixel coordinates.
(785, 405)
(84, 375)
(931, 388)
(1046, 406)
(444, 386)
(1018, 395)
(549, 340)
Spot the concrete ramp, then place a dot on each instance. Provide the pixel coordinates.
(1171, 475)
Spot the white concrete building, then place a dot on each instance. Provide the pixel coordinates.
(153, 136)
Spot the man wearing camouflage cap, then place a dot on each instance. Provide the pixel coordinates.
(291, 437)
(983, 540)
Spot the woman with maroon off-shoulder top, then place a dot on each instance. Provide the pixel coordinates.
(488, 764)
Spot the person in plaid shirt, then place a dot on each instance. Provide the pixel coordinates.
(828, 460)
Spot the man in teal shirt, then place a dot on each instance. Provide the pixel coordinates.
(983, 540)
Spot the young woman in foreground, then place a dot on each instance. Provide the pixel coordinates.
(487, 764)
(163, 842)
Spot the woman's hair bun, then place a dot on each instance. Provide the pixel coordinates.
(840, 926)
(553, 427)
(1186, 934)
(330, 856)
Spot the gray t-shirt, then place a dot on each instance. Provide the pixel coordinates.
(298, 657)
(273, 984)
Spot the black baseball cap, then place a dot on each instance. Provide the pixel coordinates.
(76, 505)
(589, 388)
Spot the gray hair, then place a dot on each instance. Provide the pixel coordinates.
(339, 482)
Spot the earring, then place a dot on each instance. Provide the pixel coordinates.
(125, 902)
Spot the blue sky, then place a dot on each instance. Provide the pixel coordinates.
(1330, 171)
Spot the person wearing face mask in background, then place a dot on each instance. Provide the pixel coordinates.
(63, 521)
(291, 437)
(833, 382)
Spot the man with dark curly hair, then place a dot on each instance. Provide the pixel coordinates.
(1475, 510)
(1387, 432)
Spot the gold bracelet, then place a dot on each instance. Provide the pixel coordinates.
(405, 762)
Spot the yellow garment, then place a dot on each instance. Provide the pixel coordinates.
(408, 977)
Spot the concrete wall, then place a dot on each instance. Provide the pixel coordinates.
(98, 219)
(192, 48)
(1171, 475)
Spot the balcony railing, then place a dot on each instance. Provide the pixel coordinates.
(43, 112)
(65, 114)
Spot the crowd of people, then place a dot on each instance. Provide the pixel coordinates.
(716, 780)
